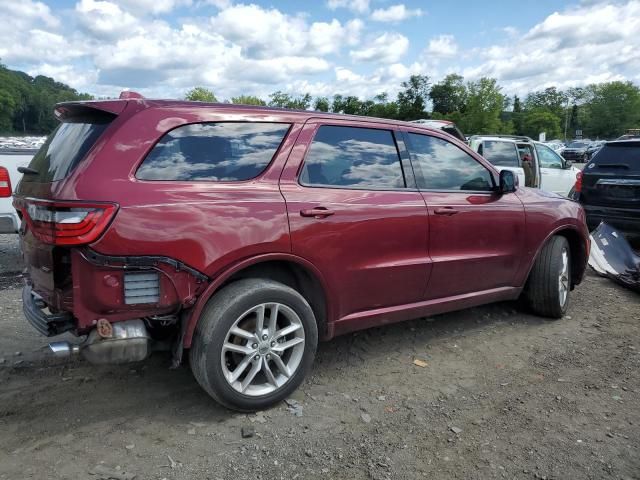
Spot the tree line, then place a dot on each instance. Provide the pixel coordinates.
(600, 111)
(26, 103)
(603, 110)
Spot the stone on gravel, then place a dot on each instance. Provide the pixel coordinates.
(248, 432)
(366, 418)
(420, 363)
(456, 430)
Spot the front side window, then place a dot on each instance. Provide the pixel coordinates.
(504, 154)
(442, 165)
(548, 158)
(223, 152)
(352, 157)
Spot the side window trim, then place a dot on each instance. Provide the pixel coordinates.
(387, 128)
(420, 179)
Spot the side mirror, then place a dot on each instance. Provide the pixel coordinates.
(567, 164)
(508, 181)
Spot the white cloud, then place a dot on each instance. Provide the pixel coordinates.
(153, 6)
(357, 6)
(26, 12)
(395, 13)
(387, 48)
(105, 19)
(443, 46)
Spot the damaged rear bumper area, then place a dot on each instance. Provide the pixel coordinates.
(118, 303)
(611, 256)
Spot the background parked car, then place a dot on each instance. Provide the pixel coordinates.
(576, 151)
(594, 147)
(556, 145)
(10, 161)
(609, 187)
(536, 164)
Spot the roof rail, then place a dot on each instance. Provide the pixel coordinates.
(513, 137)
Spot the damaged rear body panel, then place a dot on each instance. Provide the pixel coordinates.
(612, 257)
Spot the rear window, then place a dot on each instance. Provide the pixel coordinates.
(499, 153)
(624, 156)
(66, 147)
(223, 152)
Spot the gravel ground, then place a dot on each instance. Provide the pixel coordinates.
(498, 393)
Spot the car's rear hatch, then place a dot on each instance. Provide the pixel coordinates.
(612, 177)
(52, 221)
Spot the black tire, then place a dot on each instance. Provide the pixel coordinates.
(217, 318)
(542, 292)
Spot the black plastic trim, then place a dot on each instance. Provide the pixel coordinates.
(47, 324)
(139, 261)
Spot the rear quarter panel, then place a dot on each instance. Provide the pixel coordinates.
(207, 225)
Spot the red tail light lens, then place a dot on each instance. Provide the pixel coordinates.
(67, 223)
(5, 183)
(578, 185)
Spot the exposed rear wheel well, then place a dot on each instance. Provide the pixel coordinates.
(294, 276)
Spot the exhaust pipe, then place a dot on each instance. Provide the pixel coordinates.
(64, 349)
(128, 342)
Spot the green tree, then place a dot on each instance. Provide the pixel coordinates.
(285, 100)
(248, 100)
(550, 100)
(449, 95)
(200, 94)
(412, 100)
(382, 107)
(540, 121)
(612, 108)
(485, 104)
(321, 104)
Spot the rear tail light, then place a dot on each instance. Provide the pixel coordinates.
(67, 223)
(578, 185)
(5, 183)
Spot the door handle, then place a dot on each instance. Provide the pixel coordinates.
(445, 211)
(317, 212)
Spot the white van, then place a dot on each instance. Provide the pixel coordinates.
(535, 164)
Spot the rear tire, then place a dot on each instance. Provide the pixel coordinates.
(547, 289)
(241, 333)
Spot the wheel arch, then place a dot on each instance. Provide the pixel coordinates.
(288, 269)
(578, 248)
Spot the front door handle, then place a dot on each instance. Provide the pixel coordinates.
(317, 212)
(445, 211)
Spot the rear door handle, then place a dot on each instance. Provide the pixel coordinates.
(445, 211)
(318, 212)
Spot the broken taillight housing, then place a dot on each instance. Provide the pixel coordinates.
(67, 222)
(5, 183)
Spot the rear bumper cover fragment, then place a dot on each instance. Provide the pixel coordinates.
(48, 324)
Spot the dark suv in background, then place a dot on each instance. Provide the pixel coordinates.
(609, 187)
(246, 234)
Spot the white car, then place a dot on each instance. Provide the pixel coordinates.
(10, 160)
(535, 164)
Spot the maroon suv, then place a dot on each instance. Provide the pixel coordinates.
(246, 234)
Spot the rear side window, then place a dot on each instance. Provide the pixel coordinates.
(352, 157)
(223, 152)
(441, 165)
(619, 157)
(66, 147)
(500, 153)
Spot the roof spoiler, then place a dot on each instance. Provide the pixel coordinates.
(67, 110)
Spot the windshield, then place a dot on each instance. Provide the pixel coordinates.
(577, 145)
(66, 147)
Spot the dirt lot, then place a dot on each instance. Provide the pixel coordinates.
(503, 394)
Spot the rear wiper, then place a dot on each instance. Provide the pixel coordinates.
(28, 170)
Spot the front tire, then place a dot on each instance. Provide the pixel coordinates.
(254, 344)
(549, 283)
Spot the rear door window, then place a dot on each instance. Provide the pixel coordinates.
(548, 158)
(353, 157)
(441, 165)
(66, 147)
(219, 152)
(504, 154)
